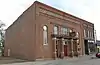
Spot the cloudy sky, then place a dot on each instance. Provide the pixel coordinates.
(85, 9)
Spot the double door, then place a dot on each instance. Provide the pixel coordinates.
(69, 47)
(60, 50)
(65, 50)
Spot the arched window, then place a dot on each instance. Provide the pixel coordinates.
(45, 35)
(55, 29)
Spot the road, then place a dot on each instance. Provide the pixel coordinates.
(75, 61)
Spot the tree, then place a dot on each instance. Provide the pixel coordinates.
(2, 33)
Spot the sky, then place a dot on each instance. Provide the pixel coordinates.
(88, 10)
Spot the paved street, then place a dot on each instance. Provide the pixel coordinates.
(86, 60)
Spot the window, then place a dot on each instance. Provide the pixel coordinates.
(55, 29)
(84, 33)
(88, 34)
(92, 35)
(45, 35)
(64, 30)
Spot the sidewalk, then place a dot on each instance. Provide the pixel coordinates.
(7, 60)
(85, 57)
(56, 62)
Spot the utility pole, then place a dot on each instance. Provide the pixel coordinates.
(95, 36)
(95, 40)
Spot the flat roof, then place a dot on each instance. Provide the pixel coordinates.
(78, 18)
(45, 5)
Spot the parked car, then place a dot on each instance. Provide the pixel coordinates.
(98, 55)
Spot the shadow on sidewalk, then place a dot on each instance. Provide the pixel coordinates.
(7, 60)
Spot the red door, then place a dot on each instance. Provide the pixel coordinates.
(65, 50)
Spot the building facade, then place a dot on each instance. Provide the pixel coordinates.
(89, 40)
(43, 32)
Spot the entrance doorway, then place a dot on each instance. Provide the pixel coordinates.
(58, 48)
(66, 49)
(86, 47)
(75, 48)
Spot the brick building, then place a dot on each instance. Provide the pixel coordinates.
(43, 32)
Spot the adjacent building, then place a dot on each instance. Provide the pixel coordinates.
(43, 32)
(89, 39)
(98, 45)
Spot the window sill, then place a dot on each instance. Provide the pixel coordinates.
(45, 44)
